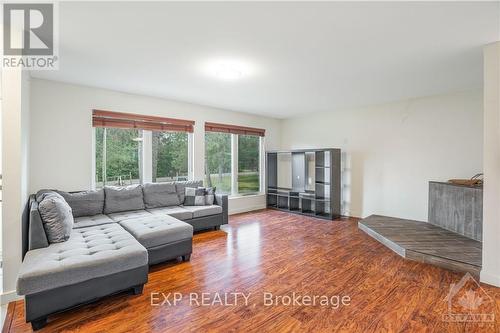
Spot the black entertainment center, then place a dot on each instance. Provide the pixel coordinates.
(305, 181)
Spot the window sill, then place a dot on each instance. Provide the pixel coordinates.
(240, 196)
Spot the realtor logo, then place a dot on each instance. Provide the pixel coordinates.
(29, 36)
(469, 302)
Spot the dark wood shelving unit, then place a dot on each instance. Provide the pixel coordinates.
(304, 182)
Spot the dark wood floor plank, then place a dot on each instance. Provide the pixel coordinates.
(11, 308)
(280, 253)
(425, 242)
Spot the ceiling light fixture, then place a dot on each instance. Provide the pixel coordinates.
(228, 69)
(228, 72)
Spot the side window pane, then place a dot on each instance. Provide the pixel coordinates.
(218, 161)
(99, 138)
(248, 164)
(170, 156)
(118, 156)
(123, 156)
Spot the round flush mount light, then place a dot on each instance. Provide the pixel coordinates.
(228, 69)
(228, 72)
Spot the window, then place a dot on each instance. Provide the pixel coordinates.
(118, 156)
(233, 158)
(169, 156)
(248, 164)
(131, 149)
(218, 161)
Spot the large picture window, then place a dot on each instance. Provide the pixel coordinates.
(233, 158)
(131, 148)
(118, 156)
(170, 156)
(248, 164)
(218, 161)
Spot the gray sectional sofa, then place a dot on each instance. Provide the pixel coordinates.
(117, 233)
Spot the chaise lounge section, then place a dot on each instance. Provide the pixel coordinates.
(96, 261)
(165, 237)
(117, 234)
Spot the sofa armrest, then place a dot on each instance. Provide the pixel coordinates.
(36, 233)
(221, 200)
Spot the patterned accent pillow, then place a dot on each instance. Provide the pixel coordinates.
(209, 195)
(194, 196)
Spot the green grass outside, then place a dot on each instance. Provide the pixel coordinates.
(248, 183)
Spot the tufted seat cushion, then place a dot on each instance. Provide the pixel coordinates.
(89, 221)
(133, 214)
(158, 230)
(175, 211)
(89, 253)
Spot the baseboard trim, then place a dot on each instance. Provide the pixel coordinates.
(490, 279)
(9, 296)
(246, 209)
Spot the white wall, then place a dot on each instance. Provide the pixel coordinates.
(61, 132)
(490, 272)
(15, 159)
(391, 151)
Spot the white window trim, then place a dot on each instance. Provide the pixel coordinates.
(93, 161)
(234, 165)
(141, 157)
(262, 166)
(147, 156)
(191, 156)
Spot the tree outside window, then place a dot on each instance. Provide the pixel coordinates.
(218, 161)
(248, 164)
(118, 156)
(170, 156)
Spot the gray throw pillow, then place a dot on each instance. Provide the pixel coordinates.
(85, 203)
(121, 199)
(194, 196)
(57, 217)
(42, 193)
(160, 195)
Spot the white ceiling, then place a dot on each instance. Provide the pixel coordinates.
(305, 57)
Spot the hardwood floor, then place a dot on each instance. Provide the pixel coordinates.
(280, 253)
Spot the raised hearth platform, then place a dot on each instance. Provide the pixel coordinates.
(425, 242)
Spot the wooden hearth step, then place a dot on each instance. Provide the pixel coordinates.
(424, 242)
